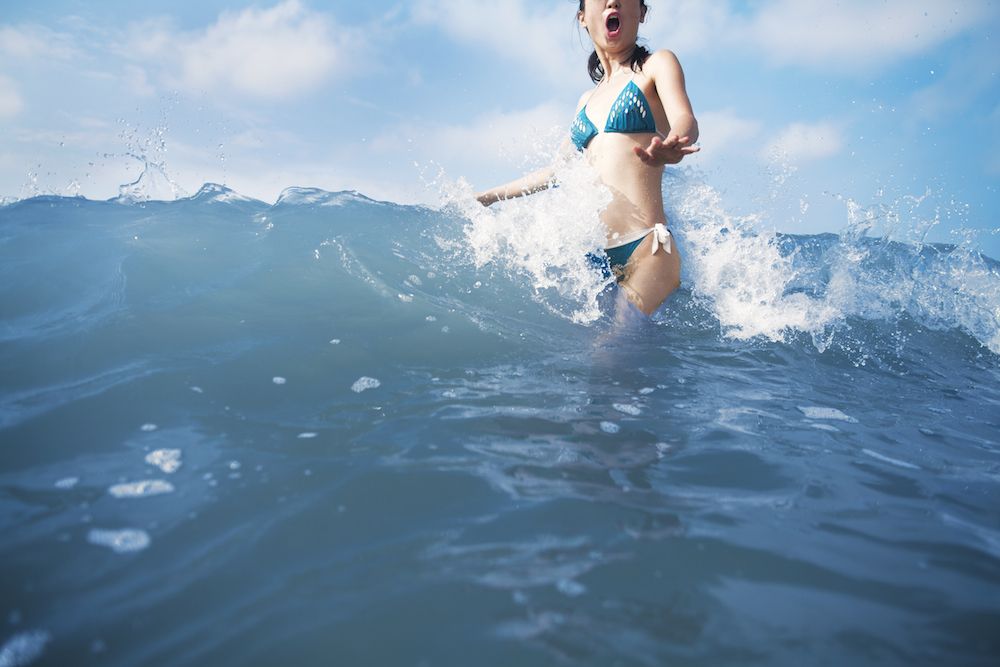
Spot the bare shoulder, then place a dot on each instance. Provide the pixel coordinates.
(662, 63)
(583, 98)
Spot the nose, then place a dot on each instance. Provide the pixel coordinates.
(613, 4)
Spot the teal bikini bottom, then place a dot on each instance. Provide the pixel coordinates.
(613, 260)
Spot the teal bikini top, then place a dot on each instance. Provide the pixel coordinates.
(630, 114)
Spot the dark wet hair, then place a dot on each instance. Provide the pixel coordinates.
(638, 57)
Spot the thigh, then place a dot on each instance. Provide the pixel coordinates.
(650, 279)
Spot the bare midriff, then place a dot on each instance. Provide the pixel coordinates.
(636, 188)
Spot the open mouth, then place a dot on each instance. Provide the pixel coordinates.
(613, 23)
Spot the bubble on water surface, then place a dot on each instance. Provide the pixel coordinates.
(148, 427)
(570, 587)
(67, 482)
(610, 427)
(889, 460)
(127, 540)
(23, 648)
(813, 412)
(363, 383)
(628, 409)
(826, 427)
(278, 380)
(167, 460)
(141, 489)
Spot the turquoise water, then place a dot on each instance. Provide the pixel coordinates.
(340, 431)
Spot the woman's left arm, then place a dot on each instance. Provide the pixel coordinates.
(665, 71)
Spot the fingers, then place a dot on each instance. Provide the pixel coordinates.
(669, 150)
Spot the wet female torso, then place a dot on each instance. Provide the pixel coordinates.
(629, 112)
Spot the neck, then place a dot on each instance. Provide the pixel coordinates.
(616, 61)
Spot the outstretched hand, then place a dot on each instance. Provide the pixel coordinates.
(661, 152)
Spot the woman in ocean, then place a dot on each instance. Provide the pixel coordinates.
(636, 120)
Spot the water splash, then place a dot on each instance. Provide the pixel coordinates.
(545, 238)
(878, 268)
(149, 150)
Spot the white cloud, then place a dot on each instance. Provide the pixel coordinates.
(721, 129)
(490, 142)
(151, 38)
(854, 33)
(801, 142)
(541, 37)
(687, 26)
(138, 81)
(276, 52)
(32, 42)
(11, 103)
(844, 36)
(519, 135)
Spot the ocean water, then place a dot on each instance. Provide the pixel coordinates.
(334, 430)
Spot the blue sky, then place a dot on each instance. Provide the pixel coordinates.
(803, 104)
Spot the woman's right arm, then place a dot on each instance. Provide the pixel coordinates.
(534, 182)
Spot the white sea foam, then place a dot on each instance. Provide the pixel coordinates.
(24, 648)
(825, 427)
(545, 237)
(754, 289)
(364, 383)
(815, 412)
(309, 435)
(733, 266)
(148, 428)
(740, 271)
(167, 460)
(889, 459)
(610, 427)
(127, 540)
(141, 489)
(570, 587)
(625, 408)
(67, 482)
(278, 380)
